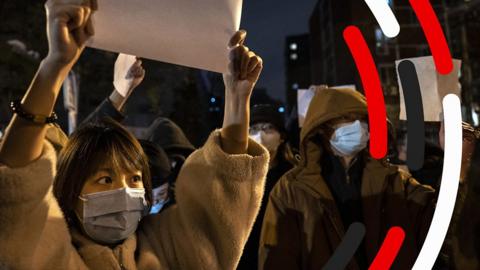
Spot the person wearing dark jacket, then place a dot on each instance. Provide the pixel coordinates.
(163, 132)
(431, 171)
(160, 174)
(268, 129)
(466, 240)
(171, 138)
(335, 184)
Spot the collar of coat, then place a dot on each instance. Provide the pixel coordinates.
(97, 256)
(308, 176)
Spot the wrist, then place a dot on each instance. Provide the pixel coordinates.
(117, 100)
(55, 64)
(233, 98)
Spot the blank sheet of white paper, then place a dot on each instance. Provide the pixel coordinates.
(433, 86)
(193, 33)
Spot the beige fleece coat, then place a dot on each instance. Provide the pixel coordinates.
(218, 197)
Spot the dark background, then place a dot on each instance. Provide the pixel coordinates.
(301, 44)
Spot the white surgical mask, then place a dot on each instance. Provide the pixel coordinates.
(269, 141)
(160, 198)
(111, 216)
(257, 137)
(350, 139)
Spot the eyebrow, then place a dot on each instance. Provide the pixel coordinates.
(112, 171)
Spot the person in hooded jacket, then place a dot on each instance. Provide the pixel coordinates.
(466, 240)
(160, 173)
(88, 210)
(337, 183)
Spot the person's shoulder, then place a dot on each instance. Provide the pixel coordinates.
(288, 184)
(410, 184)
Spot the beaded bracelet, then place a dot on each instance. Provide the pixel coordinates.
(16, 107)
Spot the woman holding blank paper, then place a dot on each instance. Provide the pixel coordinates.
(81, 214)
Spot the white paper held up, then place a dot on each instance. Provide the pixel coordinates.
(121, 80)
(182, 32)
(305, 96)
(433, 86)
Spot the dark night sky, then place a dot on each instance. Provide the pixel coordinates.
(268, 22)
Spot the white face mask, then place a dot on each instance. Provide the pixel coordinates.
(160, 198)
(111, 216)
(269, 141)
(350, 139)
(257, 137)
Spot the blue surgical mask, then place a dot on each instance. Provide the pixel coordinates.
(160, 198)
(350, 139)
(156, 208)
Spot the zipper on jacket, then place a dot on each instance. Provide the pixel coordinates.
(347, 171)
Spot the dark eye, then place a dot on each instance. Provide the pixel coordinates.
(136, 179)
(105, 180)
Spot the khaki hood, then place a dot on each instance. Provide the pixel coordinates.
(328, 104)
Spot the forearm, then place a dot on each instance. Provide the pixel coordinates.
(105, 109)
(23, 140)
(234, 134)
(236, 183)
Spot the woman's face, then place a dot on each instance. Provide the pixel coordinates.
(108, 178)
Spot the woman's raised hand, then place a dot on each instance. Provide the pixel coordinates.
(69, 26)
(244, 68)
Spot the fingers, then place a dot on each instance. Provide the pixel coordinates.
(75, 14)
(89, 3)
(235, 60)
(136, 71)
(238, 38)
(85, 30)
(89, 30)
(72, 16)
(257, 67)
(254, 62)
(243, 62)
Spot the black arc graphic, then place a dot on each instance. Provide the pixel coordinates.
(415, 119)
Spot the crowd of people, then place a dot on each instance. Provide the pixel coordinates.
(102, 198)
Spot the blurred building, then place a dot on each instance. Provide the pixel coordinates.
(463, 20)
(332, 63)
